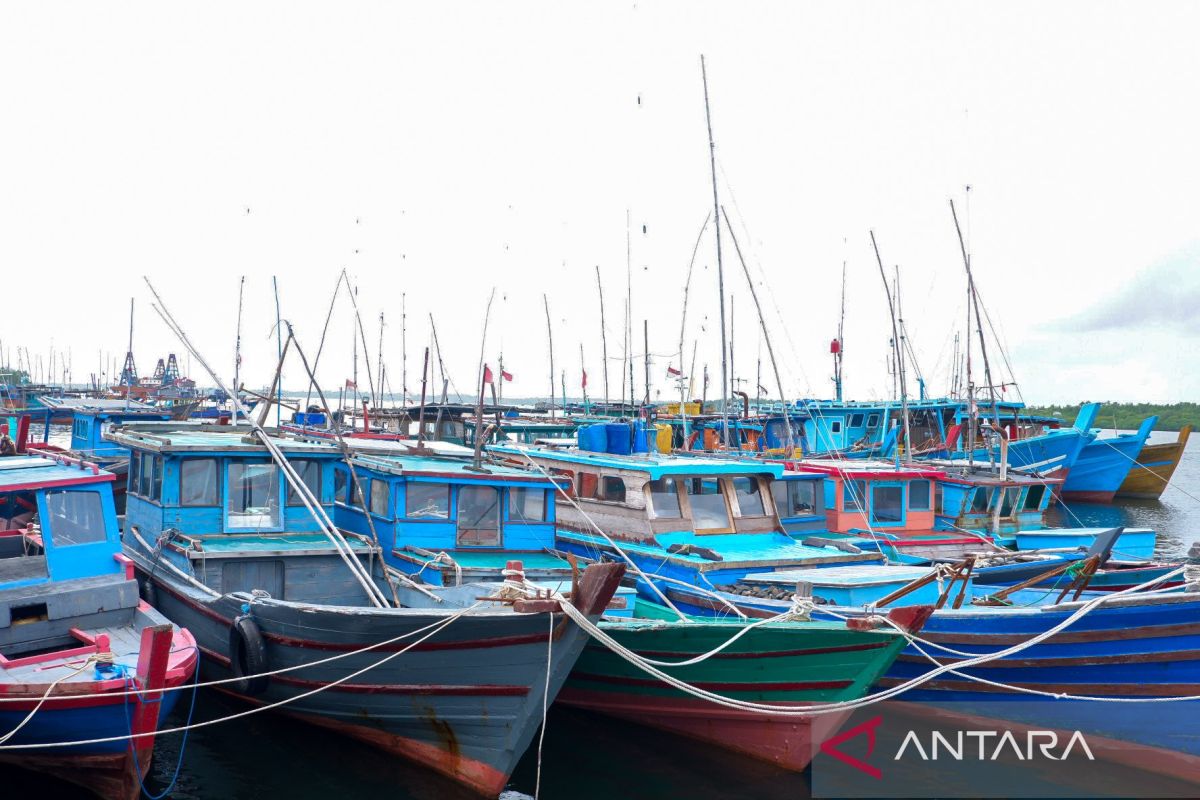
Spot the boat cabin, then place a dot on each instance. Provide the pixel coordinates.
(862, 495)
(976, 499)
(423, 506)
(522, 430)
(91, 421)
(57, 523)
(800, 501)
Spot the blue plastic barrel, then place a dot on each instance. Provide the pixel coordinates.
(639, 437)
(618, 438)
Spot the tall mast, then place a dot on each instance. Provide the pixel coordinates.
(646, 357)
(404, 352)
(379, 355)
(129, 373)
(712, 161)
(603, 335)
(629, 307)
(500, 384)
(841, 341)
(550, 339)
(278, 351)
(237, 358)
(896, 347)
(974, 298)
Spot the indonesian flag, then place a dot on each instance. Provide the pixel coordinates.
(506, 375)
(583, 383)
(487, 374)
(351, 384)
(672, 371)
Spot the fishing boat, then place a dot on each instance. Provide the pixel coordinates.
(1155, 465)
(1103, 464)
(82, 658)
(233, 536)
(452, 522)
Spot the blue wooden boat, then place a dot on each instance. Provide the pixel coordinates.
(73, 631)
(1134, 544)
(1103, 464)
(230, 550)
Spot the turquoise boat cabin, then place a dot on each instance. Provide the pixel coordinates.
(445, 521)
(976, 499)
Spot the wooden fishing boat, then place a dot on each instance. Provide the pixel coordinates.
(1155, 465)
(74, 636)
(1103, 464)
(435, 676)
(437, 533)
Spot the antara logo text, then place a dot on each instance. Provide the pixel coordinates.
(993, 745)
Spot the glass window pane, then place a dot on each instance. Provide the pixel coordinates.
(612, 489)
(198, 482)
(708, 504)
(156, 481)
(794, 498)
(887, 504)
(340, 478)
(75, 517)
(478, 516)
(527, 505)
(1033, 498)
(427, 501)
(379, 497)
(664, 499)
(253, 494)
(855, 496)
(980, 503)
(309, 471)
(1009, 500)
(135, 461)
(750, 501)
(146, 474)
(918, 495)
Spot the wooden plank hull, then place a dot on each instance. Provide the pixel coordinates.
(790, 663)
(1156, 464)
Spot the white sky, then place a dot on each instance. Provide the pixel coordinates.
(441, 149)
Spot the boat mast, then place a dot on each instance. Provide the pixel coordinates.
(837, 355)
(712, 161)
(896, 349)
(974, 298)
(603, 335)
(278, 350)
(129, 373)
(550, 339)
(379, 355)
(646, 357)
(629, 308)
(237, 358)
(404, 352)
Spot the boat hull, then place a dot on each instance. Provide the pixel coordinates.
(1155, 465)
(1102, 466)
(465, 702)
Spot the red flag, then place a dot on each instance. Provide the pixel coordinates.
(351, 384)
(506, 375)
(672, 371)
(583, 383)
(487, 374)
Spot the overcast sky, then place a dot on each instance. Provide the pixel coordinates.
(438, 150)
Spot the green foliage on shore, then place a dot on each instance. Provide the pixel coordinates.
(1127, 416)
(13, 376)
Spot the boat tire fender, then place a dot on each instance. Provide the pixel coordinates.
(247, 656)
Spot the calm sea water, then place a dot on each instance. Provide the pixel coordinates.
(584, 756)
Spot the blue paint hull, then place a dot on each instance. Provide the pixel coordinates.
(1103, 465)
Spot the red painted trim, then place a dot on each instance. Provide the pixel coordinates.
(126, 562)
(716, 686)
(484, 690)
(845, 648)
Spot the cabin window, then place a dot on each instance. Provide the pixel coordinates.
(835, 426)
(75, 517)
(856, 420)
(146, 475)
(979, 504)
(873, 421)
(156, 480)
(918, 495)
(794, 498)
(709, 509)
(855, 496)
(356, 498)
(379, 497)
(135, 461)
(340, 479)
(1033, 498)
(199, 484)
(612, 489)
(478, 516)
(1009, 499)
(749, 497)
(309, 471)
(427, 501)
(526, 505)
(887, 504)
(664, 499)
(253, 494)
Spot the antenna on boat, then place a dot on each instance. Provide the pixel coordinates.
(787, 423)
(712, 160)
(550, 339)
(237, 350)
(974, 298)
(603, 335)
(896, 348)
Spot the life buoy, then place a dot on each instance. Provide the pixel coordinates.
(247, 656)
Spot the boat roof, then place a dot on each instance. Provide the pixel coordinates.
(459, 469)
(35, 472)
(656, 465)
(855, 468)
(178, 437)
(98, 405)
(384, 445)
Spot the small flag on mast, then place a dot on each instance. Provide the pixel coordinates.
(487, 374)
(672, 371)
(351, 384)
(506, 375)
(583, 383)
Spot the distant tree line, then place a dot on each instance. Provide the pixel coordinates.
(1127, 416)
(13, 376)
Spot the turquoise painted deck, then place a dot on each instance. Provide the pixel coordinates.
(856, 585)
(654, 465)
(17, 472)
(734, 548)
(1135, 544)
(229, 542)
